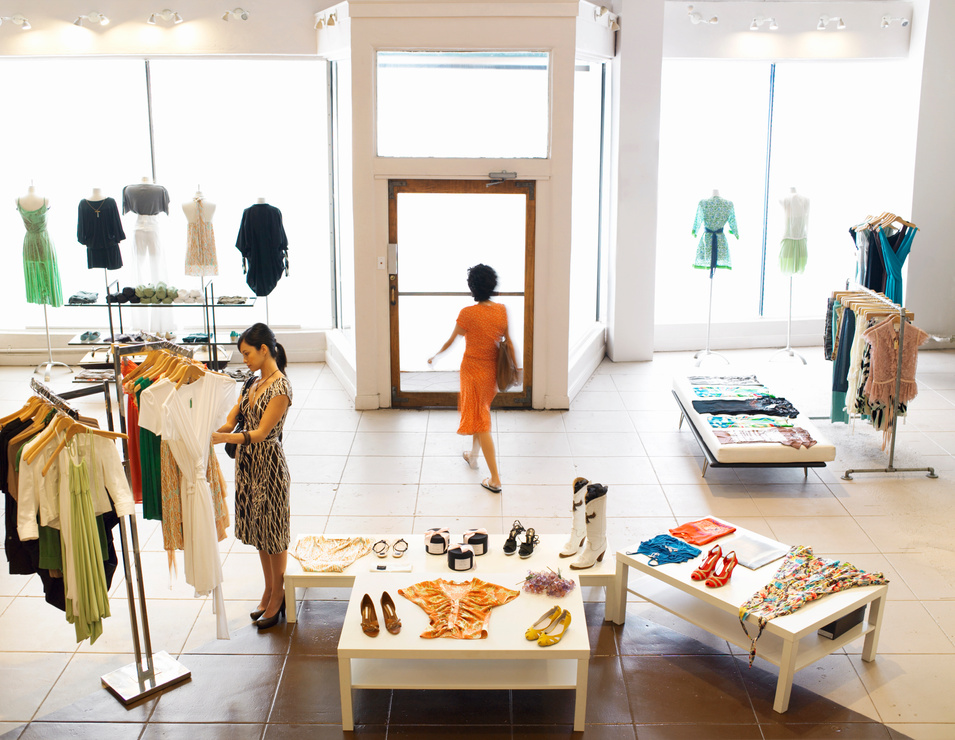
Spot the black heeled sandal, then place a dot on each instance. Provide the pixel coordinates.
(264, 624)
(527, 546)
(510, 544)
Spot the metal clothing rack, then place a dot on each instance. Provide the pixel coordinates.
(890, 468)
(136, 681)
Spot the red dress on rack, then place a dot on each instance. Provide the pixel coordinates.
(132, 431)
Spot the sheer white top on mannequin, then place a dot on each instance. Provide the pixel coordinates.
(796, 215)
(191, 209)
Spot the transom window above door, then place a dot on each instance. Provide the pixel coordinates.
(463, 104)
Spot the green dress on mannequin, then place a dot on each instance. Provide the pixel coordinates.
(39, 259)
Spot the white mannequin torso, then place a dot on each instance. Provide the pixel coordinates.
(97, 195)
(796, 215)
(191, 209)
(261, 201)
(31, 201)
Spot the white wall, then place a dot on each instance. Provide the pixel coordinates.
(930, 288)
(636, 144)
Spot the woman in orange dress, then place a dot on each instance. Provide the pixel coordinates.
(482, 325)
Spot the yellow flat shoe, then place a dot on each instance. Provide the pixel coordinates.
(550, 636)
(536, 629)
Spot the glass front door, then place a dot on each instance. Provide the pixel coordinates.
(440, 228)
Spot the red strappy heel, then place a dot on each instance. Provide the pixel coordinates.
(708, 565)
(719, 579)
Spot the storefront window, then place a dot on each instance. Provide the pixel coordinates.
(849, 155)
(463, 104)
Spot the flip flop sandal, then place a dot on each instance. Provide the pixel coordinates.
(486, 483)
(467, 458)
(380, 548)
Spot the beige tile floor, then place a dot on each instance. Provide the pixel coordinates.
(399, 471)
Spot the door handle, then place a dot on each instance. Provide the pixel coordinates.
(394, 295)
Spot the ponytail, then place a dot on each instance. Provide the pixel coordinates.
(280, 358)
(259, 334)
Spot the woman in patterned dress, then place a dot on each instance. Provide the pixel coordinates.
(482, 326)
(262, 514)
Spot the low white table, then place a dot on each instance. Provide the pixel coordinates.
(504, 660)
(493, 561)
(789, 642)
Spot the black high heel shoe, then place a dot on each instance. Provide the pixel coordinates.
(256, 614)
(510, 544)
(527, 546)
(264, 624)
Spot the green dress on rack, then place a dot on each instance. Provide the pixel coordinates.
(39, 259)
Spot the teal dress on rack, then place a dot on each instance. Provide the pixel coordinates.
(40, 272)
(713, 214)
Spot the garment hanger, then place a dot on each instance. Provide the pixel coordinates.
(191, 373)
(24, 413)
(72, 431)
(60, 422)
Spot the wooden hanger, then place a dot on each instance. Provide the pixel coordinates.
(72, 431)
(60, 422)
(25, 413)
(191, 373)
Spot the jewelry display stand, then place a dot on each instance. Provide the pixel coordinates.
(788, 349)
(703, 353)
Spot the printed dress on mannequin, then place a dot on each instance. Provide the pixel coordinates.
(713, 252)
(147, 201)
(98, 227)
(792, 247)
(40, 272)
(201, 260)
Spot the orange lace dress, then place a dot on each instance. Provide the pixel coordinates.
(483, 325)
(458, 610)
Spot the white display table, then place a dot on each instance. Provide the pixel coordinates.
(789, 642)
(504, 660)
(494, 561)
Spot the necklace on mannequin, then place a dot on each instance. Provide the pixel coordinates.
(96, 210)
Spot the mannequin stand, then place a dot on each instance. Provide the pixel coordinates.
(788, 349)
(705, 352)
(48, 366)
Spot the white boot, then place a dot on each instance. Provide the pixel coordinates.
(579, 529)
(596, 508)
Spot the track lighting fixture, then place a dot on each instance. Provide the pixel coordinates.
(697, 18)
(332, 20)
(825, 20)
(17, 20)
(319, 22)
(760, 21)
(166, 15)
(92, 17)
(889, 20)
(236, 15)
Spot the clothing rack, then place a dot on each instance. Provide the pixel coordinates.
(890, 468)
(61, 405)
(134, 681)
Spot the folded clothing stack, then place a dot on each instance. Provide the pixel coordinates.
(158, 293)
(232, 300)
(126, 295)
(83, 298)
(188, 296)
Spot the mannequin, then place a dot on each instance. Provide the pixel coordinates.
(97, 195)
(792, 247)
(40, 273)
(201, 258)
(31, 201)
(147, 200)
(792, 252)
(261, 201)
(712, 251)
(99, 228)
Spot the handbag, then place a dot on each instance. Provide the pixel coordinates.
(230, 447)
(508, 373)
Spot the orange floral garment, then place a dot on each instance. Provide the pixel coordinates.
(483, 326)
(458, 610)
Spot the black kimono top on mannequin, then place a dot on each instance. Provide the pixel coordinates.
(99, 228)
(264, 247)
